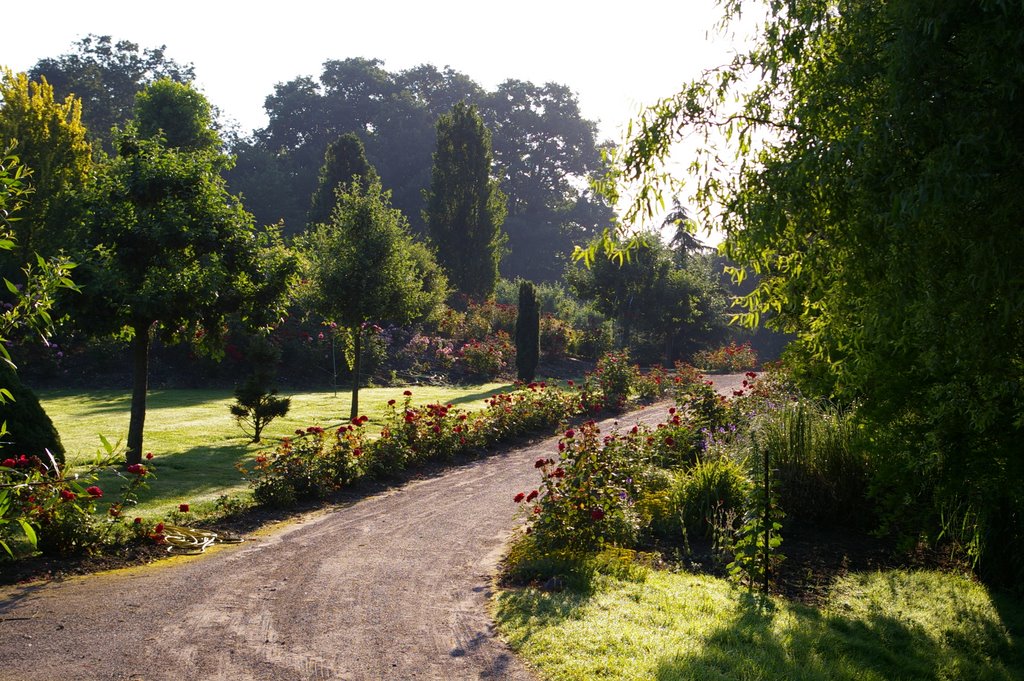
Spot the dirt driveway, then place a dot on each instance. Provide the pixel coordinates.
(393, 586)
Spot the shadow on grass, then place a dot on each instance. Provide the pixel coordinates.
(803, 643)
(186, 475)
(483, 394)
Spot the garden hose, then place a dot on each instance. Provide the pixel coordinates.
(190, 541)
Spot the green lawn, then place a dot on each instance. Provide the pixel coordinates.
(195, 441)
(667, 626)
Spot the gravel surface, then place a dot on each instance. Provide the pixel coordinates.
(394, 586)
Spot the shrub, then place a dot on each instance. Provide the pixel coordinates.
(490, 357)
(584, 500)
(615, 377)
(256, 400)
(556, 337)
(729, 357)
(710, 491)
(30, 430)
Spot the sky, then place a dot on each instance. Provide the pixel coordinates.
(617, 56)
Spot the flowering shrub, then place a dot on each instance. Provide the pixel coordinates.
(311, 466)
(652, 385)
(46, 506)
(616, 377)
(584, 500)
(555, 336)
(535, 407)
(490, 357)
(729, 357)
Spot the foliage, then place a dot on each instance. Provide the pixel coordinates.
(52, 508)
(677, 302)
(106, 76)
(176, 113)
(711, 496)
(582, 503)
(527, 333)
(49, 138)
(344, 162)
(543, 147)
(875, 195)
(29, 429)
(256, 401)
(465, 208)
(489, 357)
(174, 252)
(359, 268)
(615, 378)
(729, 357)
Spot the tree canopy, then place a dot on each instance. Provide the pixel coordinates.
(50, 140)
(543, 148)
(876, 192)
(106, 75)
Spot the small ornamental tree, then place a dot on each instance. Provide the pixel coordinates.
(527, 332)
(360, 268)
(256, 401)
(174, 254)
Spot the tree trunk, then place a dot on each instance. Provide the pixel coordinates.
(357, 339)
(140, 385)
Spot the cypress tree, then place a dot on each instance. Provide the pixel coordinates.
(465, 208)
(527, 332)
(344, 162)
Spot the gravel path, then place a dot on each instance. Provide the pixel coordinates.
(394, 586)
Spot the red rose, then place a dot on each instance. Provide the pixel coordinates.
(519, 497)
(532, 495)
(137, 521)
(407, 393)
(183, 508)
(67, 495)
(357, 452)
(137, 469)
(9, 463)
(391, 403)
(570, 433)
(159, 528)
(670, 441)
(114, 511)
(540, 463)
(596, 514)
(536, 510)
(94, 491)
(149, 455)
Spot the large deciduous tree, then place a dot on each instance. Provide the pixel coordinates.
(174, 253)
(465, 208)
(49, 139)
(106, 75)
(878, 196)
(363, 267)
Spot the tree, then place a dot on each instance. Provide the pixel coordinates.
(360, 268)
(174, 253)
(50, 141)
(527, 333)
(106, 76)
(545, 150)
(877, 195)
(178, 113)
(256, 401)
(344, 162)
(673, 304)
(465, 208)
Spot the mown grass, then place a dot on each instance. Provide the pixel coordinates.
(195, 441)
(668, 627)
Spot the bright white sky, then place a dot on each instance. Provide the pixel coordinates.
(616, 56)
